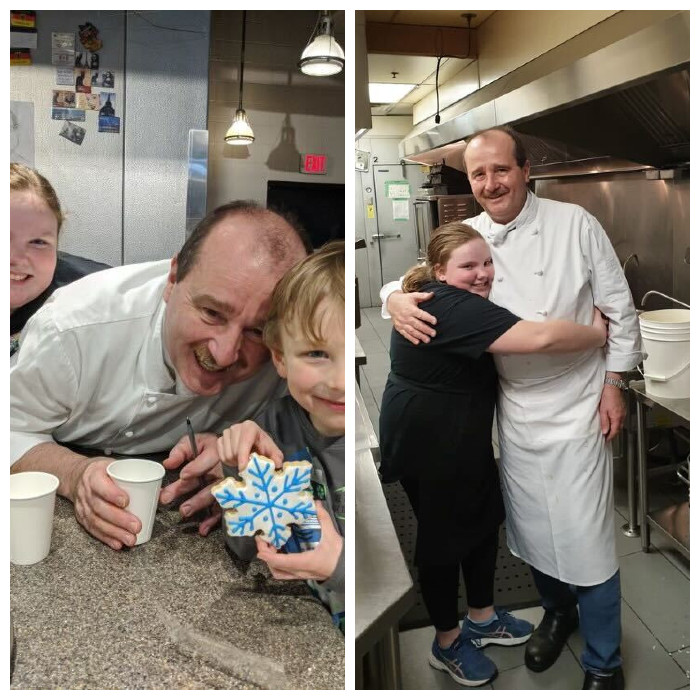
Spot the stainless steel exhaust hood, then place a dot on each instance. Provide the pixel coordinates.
(628, 103)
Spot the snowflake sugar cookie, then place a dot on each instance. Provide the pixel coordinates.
(267, 500)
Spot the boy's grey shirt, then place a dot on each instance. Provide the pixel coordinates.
(292, 431)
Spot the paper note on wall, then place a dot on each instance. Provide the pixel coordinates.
(400, 209)
(22, 133)
(397, 189)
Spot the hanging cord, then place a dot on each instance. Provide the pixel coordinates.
(437, 90)
(140, 15)
(438, 37)
(240, 77)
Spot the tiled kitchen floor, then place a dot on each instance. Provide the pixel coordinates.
(655, 591)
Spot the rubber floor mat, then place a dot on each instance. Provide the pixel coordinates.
(513, 588)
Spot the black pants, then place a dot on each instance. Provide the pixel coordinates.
(440, 583)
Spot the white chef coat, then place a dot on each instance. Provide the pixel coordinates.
(92, 371)
(554, 261)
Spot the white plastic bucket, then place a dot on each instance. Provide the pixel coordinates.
(666, 338)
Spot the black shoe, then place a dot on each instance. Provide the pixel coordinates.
(605, 680)
(549, 638)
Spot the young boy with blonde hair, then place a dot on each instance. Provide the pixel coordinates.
(305, 332)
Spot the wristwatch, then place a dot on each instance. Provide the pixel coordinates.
(619, 383)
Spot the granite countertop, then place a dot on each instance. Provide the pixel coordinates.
(179, 612)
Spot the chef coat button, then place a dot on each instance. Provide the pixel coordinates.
(151, 400)
(534, 233)
(542, 313)
(129, 433)
(108, 452)
(500, 279)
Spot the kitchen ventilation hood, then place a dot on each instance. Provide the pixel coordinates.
(622, 107)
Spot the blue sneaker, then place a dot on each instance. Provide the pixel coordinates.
(505, 630)
(464, 662)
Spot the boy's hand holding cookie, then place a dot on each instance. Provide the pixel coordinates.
(317, 564)
(239, 441)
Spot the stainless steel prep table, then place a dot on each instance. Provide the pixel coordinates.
(383, 587)
(178, 612)
(673, 522)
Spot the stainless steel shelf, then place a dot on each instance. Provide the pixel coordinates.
(673, 521)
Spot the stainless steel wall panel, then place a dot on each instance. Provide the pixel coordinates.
(166, 96)
(86, 177)
(645, 217)
(679, 209)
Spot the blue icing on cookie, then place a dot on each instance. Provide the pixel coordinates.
(266, 500)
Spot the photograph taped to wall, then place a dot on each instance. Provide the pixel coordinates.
(107, 102)
(77, 115)
(22, 133)
(83, 80)
(85, 59)
(104, 78)
(108, 125)
(91, 102)
(64, 98)
(73, 133)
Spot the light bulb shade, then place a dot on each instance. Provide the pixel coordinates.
(240, 133)
(322, 56)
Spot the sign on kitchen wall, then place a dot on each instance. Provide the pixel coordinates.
(397, 189)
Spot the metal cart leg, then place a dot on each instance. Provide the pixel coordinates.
(642, 473)
(631, 527)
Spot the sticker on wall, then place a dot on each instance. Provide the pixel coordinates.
(64, 98)
(73, 133)
(77, 115)
(62, 49)
(399, 208)
(90, 36)
(108, 125)
(65, 76)
(20, 57)
(370, 211)
(107, 102)
(104, 78)
(90, 102)
(85, 59)
(83, 80)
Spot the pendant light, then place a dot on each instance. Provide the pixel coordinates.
(240, 133)
(323, 54)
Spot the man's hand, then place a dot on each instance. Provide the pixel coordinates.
(408, 319)
(612, 409)
(317, 564)
(99, 505)
(238, 441)
(196, 476)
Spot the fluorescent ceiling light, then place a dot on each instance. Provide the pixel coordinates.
(388, 93)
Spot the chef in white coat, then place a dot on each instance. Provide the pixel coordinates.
(115, 362)
(556, 413)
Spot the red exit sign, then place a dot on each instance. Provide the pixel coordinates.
(313, 163)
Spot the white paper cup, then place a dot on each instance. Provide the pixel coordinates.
(141, 479)
(32, 501)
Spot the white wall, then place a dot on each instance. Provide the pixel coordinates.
(290, 113)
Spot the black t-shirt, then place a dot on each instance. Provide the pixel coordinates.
(440, 396)
(68, 269)
(455, 360)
